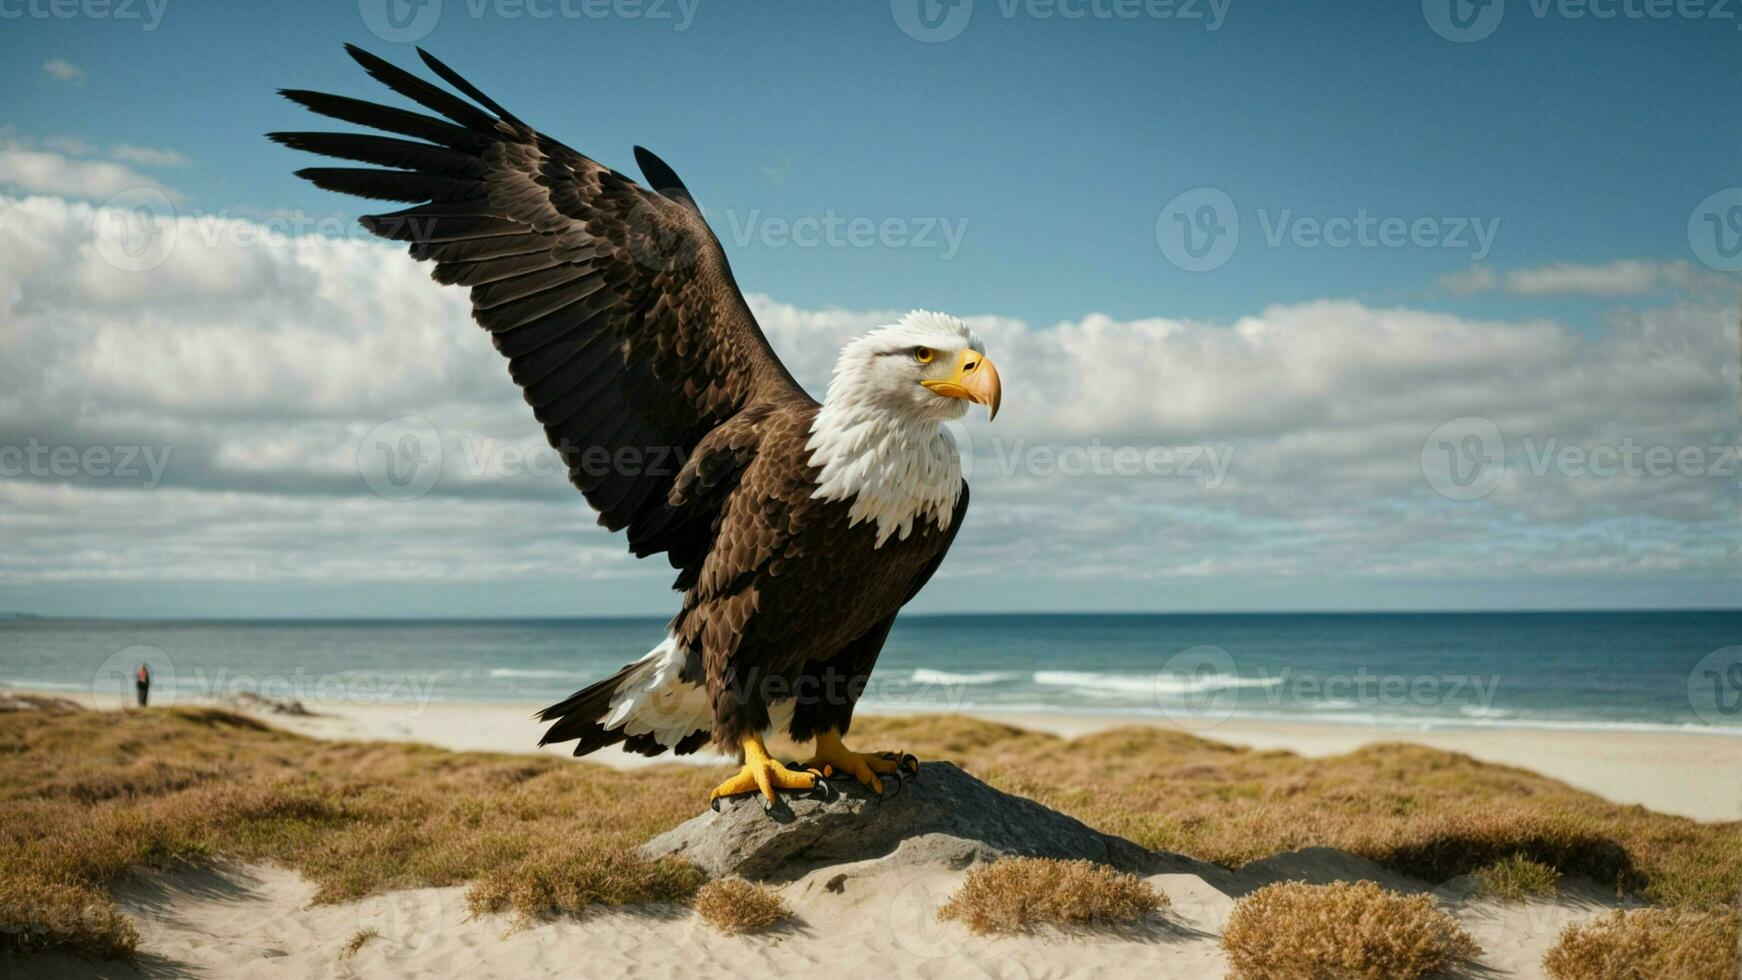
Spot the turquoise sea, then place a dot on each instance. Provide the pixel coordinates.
(1601, 670)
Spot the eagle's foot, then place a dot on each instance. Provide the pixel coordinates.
(761, 774)
(832, 756)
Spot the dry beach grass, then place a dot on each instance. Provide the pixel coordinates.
(1646, 944)
(1517, 878)
(87, 796)
(1343, 931)
(733, 906)
(1017, 894)
(1429, 814)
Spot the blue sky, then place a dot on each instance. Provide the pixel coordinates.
(1038, 171)
(1057, 140)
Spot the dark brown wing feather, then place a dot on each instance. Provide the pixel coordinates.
(614, 305)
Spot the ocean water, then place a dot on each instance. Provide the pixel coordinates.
(1655, 671)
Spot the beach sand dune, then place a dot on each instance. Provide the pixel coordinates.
(861, 920)
(875, 918)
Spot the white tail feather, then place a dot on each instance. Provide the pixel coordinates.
(655, 700)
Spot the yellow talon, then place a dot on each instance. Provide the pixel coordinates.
(832, 755)
(761, 774)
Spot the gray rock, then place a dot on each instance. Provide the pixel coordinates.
(943, 816)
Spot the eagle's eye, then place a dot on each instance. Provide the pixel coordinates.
(924, 355)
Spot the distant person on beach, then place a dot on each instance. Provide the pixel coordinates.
(142, 683)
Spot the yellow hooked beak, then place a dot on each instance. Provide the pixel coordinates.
(975, 379)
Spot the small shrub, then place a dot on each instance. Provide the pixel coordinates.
(734, 906)
(1016, 894)
(565, 881)
(1645, 944)
(39, 914)
(358, 939)
(1516, 878)
(1295, 931)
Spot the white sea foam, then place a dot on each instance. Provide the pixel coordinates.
(519, 672)
(926, 675)
(28, 683)
(1091, 682)
(1404, 722)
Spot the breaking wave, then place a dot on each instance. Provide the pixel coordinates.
(1148, 684)
(926, 675)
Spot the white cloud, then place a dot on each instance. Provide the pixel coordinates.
(62, 70)
(70, 145)
(44, 172)
(1475, 279)
(1625, 277)
(1608, 280)
(147, 156)
(144, 156)
(260, 361)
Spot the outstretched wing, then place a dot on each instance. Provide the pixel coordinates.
(614, 305)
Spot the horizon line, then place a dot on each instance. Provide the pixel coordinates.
(26, 616)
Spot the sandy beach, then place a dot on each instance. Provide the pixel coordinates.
(259, 921)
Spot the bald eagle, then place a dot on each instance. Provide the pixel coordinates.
(798, 530)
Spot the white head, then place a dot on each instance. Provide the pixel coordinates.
(878, 438)
(927, 367)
